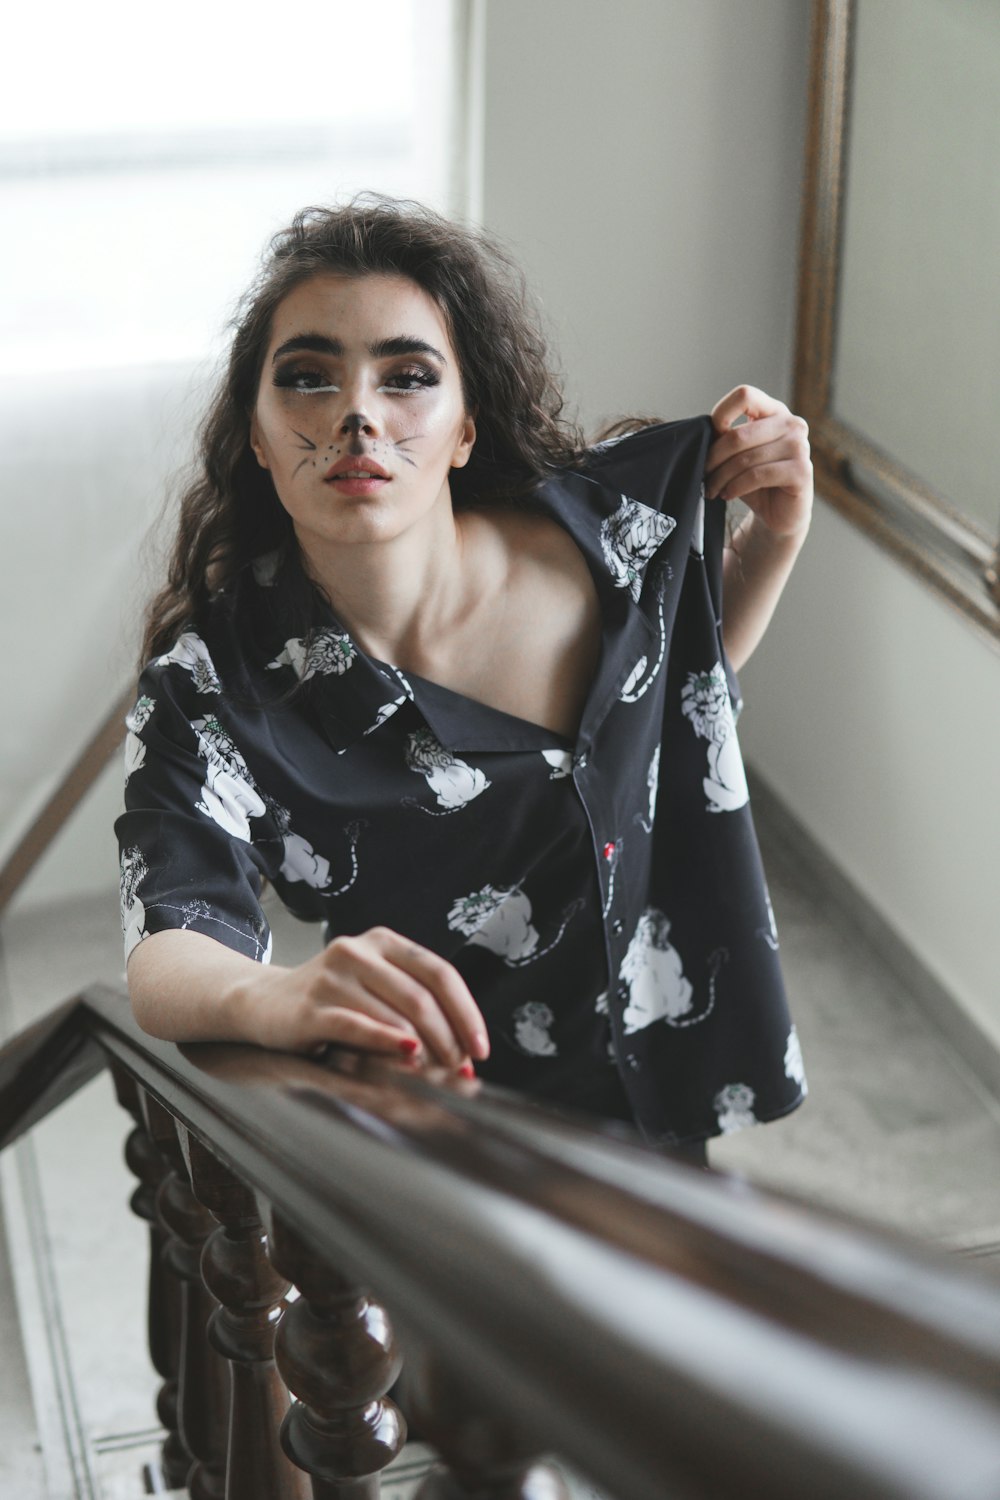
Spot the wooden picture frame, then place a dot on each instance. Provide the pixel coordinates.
(925, 530)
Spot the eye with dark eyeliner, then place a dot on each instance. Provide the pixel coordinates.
(302, 378)
(412, 378)
(307, 378)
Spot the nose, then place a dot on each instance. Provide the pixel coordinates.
(355, 423)
(357, 413)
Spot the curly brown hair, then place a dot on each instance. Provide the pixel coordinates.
(230, 512)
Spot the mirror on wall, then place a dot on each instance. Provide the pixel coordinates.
(898, 342)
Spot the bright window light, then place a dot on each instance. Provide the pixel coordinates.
(147, 155)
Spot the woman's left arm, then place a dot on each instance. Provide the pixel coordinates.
(765, 462)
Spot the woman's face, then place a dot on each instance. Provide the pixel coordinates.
(360, 413)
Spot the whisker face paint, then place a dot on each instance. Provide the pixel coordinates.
(399, 447)
(308, 445)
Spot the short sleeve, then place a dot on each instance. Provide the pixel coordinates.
(197, 835)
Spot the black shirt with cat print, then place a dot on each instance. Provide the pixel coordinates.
(603, 898)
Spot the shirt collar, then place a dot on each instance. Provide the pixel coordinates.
(461, 723)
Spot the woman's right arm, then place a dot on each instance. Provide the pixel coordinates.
(378, 991)
(197, 836)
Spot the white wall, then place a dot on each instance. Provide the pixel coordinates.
(644, 158)
(875, 713)
(85, 461)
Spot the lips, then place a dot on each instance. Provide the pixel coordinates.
(355, 469)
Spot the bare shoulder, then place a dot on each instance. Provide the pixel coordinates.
(537, 556)
(537, 619)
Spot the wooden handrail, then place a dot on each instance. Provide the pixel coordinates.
(43, 1065)
(665, 1330)
(63, 802)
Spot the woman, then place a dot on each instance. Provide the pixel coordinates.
(453, 682)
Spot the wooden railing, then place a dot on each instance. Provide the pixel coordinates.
(557, 1291)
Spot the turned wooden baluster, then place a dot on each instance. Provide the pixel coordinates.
(203, 1376)
(164, 1312)
(337, 1353)
(485, 1457)
(251, 1294)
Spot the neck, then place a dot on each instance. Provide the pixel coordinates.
(396, 597)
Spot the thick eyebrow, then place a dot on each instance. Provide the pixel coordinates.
(405, 345)
(319, 343)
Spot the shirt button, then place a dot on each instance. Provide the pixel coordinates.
(616, 927)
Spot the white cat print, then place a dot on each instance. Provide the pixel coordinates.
(706, 703)
(654, 975)
(453, 782)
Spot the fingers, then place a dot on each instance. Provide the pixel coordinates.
(744, 400)
(340, 1025)
(751, 434)
(768, 467)
(394, 981)
(442, 980)
(771, 452)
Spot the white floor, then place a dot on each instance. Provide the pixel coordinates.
(896, 1128)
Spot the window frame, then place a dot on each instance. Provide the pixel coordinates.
(926, 531)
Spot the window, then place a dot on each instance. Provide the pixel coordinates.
(146, 156)
(895, 304)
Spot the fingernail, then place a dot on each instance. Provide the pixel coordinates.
(467, 1070)
(409, 1045)
(480, 1044)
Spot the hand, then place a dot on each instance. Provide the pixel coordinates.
(765, 461)
(379, 992)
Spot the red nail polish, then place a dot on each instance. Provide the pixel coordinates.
(467, 1070)
(409, 1045)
